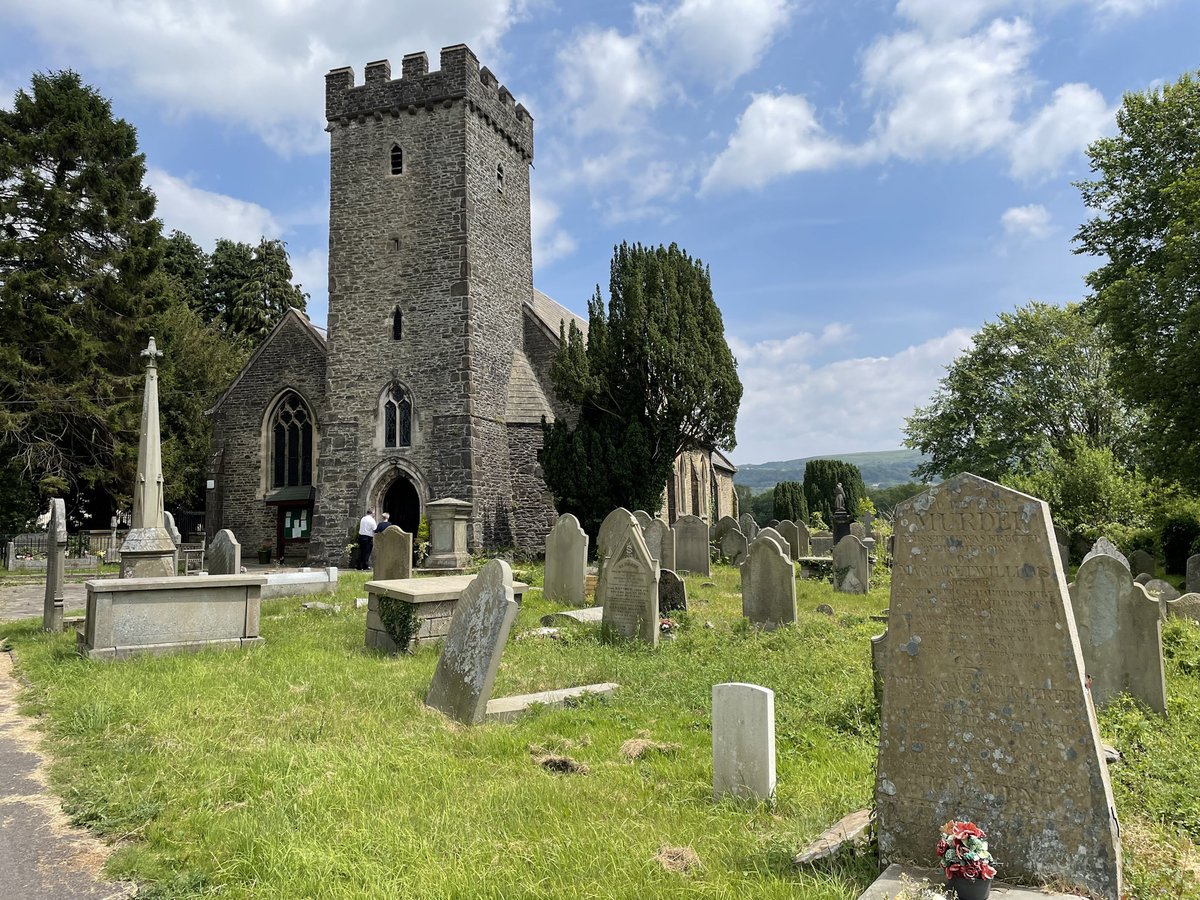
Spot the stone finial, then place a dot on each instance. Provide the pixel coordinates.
(152, 354)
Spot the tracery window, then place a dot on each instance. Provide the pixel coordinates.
(397, 418)
(292, 442)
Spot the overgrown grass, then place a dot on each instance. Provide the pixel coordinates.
(309, 767)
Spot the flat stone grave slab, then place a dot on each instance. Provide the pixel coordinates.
(433, 598)
(590, 615)
(892, 882)
(505, 709)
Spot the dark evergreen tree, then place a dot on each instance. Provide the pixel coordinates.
(655, 378)
(821, 478)
(262, 300)
(186, 264)
(230, 269)
(790, 502)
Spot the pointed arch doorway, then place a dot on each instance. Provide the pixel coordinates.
(403, 504)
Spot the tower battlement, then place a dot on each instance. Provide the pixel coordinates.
(459, 80)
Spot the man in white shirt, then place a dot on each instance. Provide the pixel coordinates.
(366, 538)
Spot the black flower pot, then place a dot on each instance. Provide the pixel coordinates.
(971, 888)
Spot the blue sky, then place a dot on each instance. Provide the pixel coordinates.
(869, 180)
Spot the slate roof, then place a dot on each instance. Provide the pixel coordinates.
(526, 403)
(552, 314)
(721, 461)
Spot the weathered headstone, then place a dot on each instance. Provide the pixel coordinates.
(1185, 607)
(773, 523)
(1193, 574)
(721, 528)
(629, 584)
(734, 546)
(1143, 578)
(772, 535)
(985, 714)
(612, 529)
(768, 585)
(1141, 562)
(822, 543)
(859, 530)
(672, 592)
(743, 739)
(1120, 634)
(56, 563)
(466, 671)
(1161, 590)
(748, 526)
(566, 562)
(172, 528)
(791, 533)
(660, 541)
(1105, 547)
(691, 545)
(224, 554)
(851, 566)
(391, 554)
(644, 518)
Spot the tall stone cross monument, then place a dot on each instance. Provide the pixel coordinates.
(148, 551)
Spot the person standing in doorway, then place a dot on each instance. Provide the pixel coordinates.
(384, 524)
(366, 538)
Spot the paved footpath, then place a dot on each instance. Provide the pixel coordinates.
(42, 857)
(26, 601)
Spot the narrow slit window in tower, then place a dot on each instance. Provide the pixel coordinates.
(397, 324)
(499, 178)
(397, 160)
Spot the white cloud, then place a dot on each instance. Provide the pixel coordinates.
(206, 215)
(550, 241)
(259, 64)
(791, 408)
(1074, 117)
(1032, 220)
(778, 134)
(605, 78)
(960, 16)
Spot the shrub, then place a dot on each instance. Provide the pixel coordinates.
(1180, 531)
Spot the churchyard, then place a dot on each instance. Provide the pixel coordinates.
(310, 765)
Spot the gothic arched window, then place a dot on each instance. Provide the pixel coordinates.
(397, 418)
(397, 324)
(397, 160)
(291, 442)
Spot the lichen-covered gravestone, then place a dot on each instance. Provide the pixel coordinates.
(660, 541)
(629, 584)
(748, 526)
(734, 546)
(851, 566)
(391, 554)
(1105, 547)
(672, 592)
(772, 535)
(466, 671)
(612, 529)
(224, 554)
(643, 518)
(691, 545)
(56, 564)
(743, 741)
(1120, 634)
(1192, 585)
(1142, 563)
(724, 525)
(566, 562)
(1185, 607)
(985, 714)
(768, 585)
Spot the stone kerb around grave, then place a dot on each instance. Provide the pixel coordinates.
(768, 585)
(566, 562)
(985, 715)
(691, 545)
(1120, 634)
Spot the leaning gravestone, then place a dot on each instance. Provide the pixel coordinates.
(723, 526)
(224, 554)
(56, 564)
(743, 740)
(644, 518)
(748, 526)
(672, 592)
(1141, 562)
(629, 584)
(1105, 547)
(1120, 634)
(691, 545)
(613, 528)
(734, 546)
(772, 535)
(566, 562)
(660, 541)
(985, 715)
(466, 671)
(768, 585)
(1192, 585)
(391, 554)
(851, 566)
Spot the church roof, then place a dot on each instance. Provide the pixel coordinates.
(721, 461)
(293, 314)
(527, 401)
(551, 313)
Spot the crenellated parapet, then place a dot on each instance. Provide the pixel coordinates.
(459, 80)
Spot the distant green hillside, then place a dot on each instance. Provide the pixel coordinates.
(882, 469)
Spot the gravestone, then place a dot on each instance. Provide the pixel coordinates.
(660, 541)
(1193, 574)
(772, 535)
(1161, 590)
(56, 564)
(1105, 547)
(644, 518)
(612, 529)
(466, 671)
(391, 554)
(1144, 578)
(172, 528)
(774, 523)
(768, 585)
(566, 562)
(743, 741)
(448, 520)
(748, 526)
(629, 585)
(691, 545)
(734, 546)
(851, 566)
(985, 715)
(724, 525)
(672, 592)
(1120, 634)
(1186, 607)
(1141, 562)
(224, 554)
(859, 530)
(822, 543)
(791, 533)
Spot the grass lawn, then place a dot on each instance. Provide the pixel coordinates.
(308, 767)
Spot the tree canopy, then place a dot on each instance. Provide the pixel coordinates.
(821, 478)
(654, 378)
(788, 501)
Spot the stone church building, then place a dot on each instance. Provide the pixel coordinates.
(433, 377)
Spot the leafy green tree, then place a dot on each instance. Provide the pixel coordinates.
(789, 502)
(886, 498)
(80, 251)
(654, 378)
(230, 269)
(186, 264)
(1147, 292)
(1033, 381)
(261, 300)
(821, 478)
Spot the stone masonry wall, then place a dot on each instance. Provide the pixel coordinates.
(533, 505)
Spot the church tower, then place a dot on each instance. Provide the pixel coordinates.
(430, 268)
